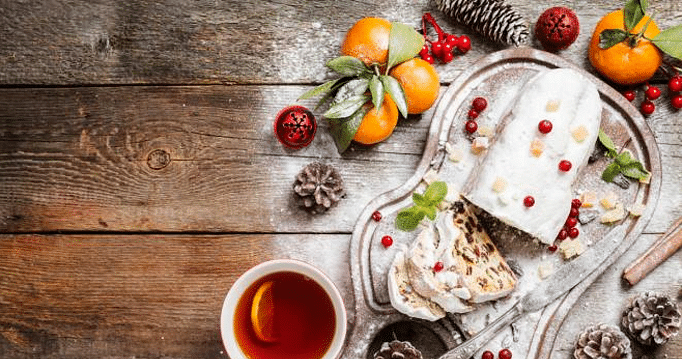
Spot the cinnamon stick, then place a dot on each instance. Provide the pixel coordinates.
(659, 251)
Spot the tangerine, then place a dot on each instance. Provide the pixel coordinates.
(262, 313)
(622, 63)
(367, 40)
(420, 83)
(378, 125)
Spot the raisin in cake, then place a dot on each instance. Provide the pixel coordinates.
(524, 159)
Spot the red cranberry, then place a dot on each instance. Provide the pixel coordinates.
(504, 354)
(464, 44)
(488, 355)
(472, 114)
(452, 40)
(471, 126)
(552, 248)
(376, 216)
(575, 203)
(429, 59)
(424, 51)
(387, 241)
(565, 165)
(438, 266)
(629, 95)
(676, 102)
(563, 233)
(652, 93)
(571, 222)
(295, 126)
(647, 107)
(479, 104)
(573, 232)
(529, 201)
(437, 49)
(545, 126)
(675, 83)
(557, 28)
(574, 212)
(447, 56)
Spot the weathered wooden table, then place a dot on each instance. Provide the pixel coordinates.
(139, 173)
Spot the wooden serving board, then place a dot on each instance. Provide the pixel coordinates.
(497, 77)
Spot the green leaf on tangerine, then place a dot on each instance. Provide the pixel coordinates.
(404, 43)
(347, 66)
(347, 107)
(319, 90)
(611, 37)
(670, 41)
(343, 130)
(354, 87)
(376, 88)
(392, 86)
(633, 12)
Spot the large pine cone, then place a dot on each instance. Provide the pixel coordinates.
(318, 186)
(397, 350)
(651, 318)
(602, 342)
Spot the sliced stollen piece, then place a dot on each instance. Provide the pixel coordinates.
(523, 161)
(404, 298)
(482, 267)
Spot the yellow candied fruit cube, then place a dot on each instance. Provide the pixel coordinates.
(571, 248)
(485, 131)
(588, 199)
(552, 105)
(479, 145)
(455, 154)
(537, 147)
(579, 133)
(499, 185)
(614, 215)
(646, 179)
(609, 201)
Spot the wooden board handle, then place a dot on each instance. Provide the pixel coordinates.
(661, 250)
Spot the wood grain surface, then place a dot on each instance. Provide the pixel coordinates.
(139, 173)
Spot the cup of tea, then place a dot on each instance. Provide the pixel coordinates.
(283, 309)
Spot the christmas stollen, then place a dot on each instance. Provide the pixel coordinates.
(522, 161)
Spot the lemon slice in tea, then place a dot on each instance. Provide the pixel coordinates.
(263, 313)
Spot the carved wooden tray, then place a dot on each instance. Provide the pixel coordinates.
(497, 77)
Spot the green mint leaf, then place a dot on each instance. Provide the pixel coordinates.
(633, 12)
(430, 212)
(376, 88)
(347, 66)
(343, 130)
(670, 41)
(624, 158)
(319, 90)
(436, 192)
(347, 107)
(611, 37)
(408, 219)
(606, 141)
(635, 170)
(419, 200)
(610, 172)
(352, 88)
(404, 43)
(392, 86)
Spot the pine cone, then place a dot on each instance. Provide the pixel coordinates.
(397, 350)
(319, 186)
(491, 18)
(651, 318)
(602, 342)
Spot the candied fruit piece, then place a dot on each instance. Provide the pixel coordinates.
(499, 185)
(579, 133)
(537, 147)
(552, 105)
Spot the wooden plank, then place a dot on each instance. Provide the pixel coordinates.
(136, 296)
(78, 159)
(177, 42)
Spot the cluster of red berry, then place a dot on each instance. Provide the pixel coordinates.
(652, 93)
(503, 354)
(569, 230)
(477, 106)
(446, 44)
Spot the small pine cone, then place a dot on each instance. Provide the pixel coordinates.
(602, 342)
(397, 350)
(651, 318)
(493, 19)
(319, 187)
